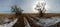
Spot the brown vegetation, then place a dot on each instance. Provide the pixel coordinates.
(12, 16)
(46, 15)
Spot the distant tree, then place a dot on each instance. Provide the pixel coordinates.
(16, 10)
(41, 8)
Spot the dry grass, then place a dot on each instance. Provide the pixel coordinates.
(46, 15)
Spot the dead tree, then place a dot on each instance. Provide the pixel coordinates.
(41, 8)
(18, 13)
(16, 10)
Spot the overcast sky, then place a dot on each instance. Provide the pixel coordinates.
(53, 6)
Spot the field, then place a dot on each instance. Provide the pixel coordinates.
(34, 14)
(32, 17)
(27, 16)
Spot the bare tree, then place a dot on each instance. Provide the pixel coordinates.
(16, 10)
(41, 8)
(18, 13)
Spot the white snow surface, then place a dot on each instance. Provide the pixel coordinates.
(10, 24)
(46, 22)
(27, 23)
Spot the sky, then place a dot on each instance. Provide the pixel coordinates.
(53, 6)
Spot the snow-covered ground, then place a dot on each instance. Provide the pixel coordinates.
(46, 22)
(8, 24)
(27, 23)
(41, 21)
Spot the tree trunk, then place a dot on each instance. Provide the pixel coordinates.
(41, 14)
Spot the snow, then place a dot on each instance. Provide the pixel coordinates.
(46, 22)
(10, 24)
(27, 23)
(40, 22)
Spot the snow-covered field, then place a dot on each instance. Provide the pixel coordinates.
(46, 22)
(40, 22)
(8, 24)
(27, 23)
